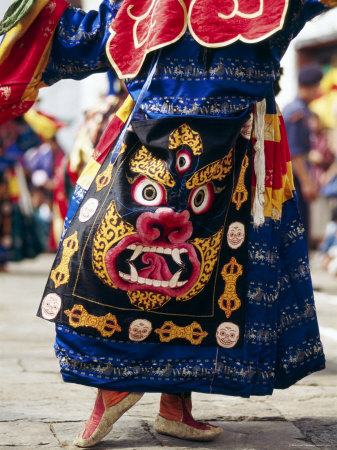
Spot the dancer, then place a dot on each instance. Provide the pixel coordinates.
(183, 264)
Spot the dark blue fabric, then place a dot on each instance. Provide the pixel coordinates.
(296, 116)
(281, 343)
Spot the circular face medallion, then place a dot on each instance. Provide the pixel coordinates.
(246, 130)
(51, 306)
(88, 210)
(227, 334)
(139, 330)
(235, 235)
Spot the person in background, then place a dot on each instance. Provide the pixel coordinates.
(297, 121)
(320, 156)
(328, 247)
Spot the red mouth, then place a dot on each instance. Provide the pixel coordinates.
(169, 269)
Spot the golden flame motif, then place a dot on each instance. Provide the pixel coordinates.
(111, 230)
(229, 301)
(79, 317)
(192, 333)
(60, 275)
(184, 135)
(241, 194)
(104, 178)
(209, 250)
(218, 170)
(147, 300)
(145, 163)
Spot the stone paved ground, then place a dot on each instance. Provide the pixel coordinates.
(37, 410)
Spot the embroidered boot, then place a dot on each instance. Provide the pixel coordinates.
(109, 407)
(175, 419)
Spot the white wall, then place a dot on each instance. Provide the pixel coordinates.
(321, 26)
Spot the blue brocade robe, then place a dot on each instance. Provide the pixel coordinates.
(278, 339)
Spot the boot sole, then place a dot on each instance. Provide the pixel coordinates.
(110, 416)
(182, 431)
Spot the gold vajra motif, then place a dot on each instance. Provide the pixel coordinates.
(79, 317)
(111, 230)
(241, 194)
(147, 300)
(60, 275)
(209, 250)
(218, 170)
(145, 163)
(184, 135)
(229, 301)
(192, 333)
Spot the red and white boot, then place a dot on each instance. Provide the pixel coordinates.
(175, 419)
(109, 407)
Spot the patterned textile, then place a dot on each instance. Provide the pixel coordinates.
(14, 14)
(121, 230)
(21, 63)
(173, 182)
(281, 342)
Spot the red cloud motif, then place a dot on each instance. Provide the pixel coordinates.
(142, 26)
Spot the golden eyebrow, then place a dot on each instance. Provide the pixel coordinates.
(185, 135)
(218, 170)
(145, 163)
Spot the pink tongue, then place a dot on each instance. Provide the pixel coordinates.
(157, 268)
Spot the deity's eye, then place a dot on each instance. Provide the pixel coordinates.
(183, 161)
(147, 192)
(201, 198)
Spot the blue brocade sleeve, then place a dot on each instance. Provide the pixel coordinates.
(299, 12)
(79, 43)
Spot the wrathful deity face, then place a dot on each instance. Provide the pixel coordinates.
(162, 230)
(139, 330)
(227, 334)
(51, 306)
(158, 257)
(235, 235)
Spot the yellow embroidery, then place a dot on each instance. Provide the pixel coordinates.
(145, 163)
(147, 300)
(229, 301)
(79, 317)
(184, 135)
(111, 230)
(192, 333)
(209, 250)
(218, 170)
(104, 178)
(272, 130)
(60, 275)
(329, 3)
(241, 194)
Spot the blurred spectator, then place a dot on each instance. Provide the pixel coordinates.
(19, 233)
(320, 155)
(328, 248)
(296, 116)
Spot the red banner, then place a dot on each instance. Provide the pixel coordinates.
(143, 26)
